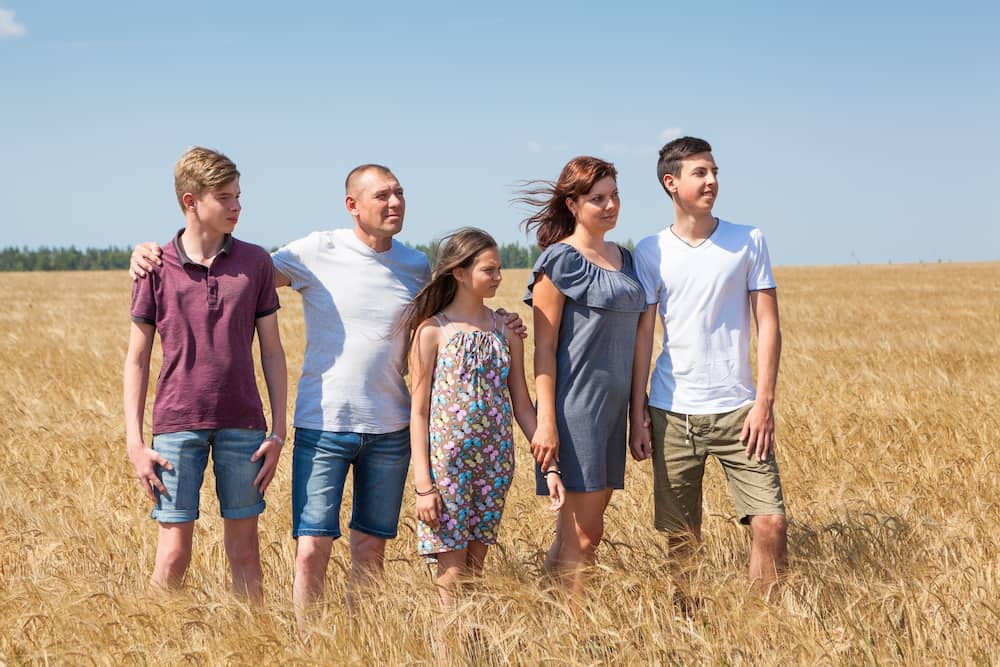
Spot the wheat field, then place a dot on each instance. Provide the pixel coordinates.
(887, 417)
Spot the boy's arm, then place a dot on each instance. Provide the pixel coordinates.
(547, 309)
(272, 361)
(640, 440)
(758, 428)
(136, 380)
(423, 354)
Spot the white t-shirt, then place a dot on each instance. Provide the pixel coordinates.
(352, 374)
(703, 296)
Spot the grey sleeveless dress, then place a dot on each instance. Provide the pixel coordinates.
(593, 365)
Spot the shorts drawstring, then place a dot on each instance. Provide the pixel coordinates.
(687, 431)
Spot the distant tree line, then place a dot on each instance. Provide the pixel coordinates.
(63, 259)
(512, 256)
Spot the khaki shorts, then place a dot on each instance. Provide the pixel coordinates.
(682, 443)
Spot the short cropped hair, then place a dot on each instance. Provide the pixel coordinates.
(674, 152)
(361, 169)
(200, 170)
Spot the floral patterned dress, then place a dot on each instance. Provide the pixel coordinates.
(470, 437)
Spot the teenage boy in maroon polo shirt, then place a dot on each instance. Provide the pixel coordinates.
(206, 299)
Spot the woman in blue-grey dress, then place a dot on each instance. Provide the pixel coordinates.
(586, 303)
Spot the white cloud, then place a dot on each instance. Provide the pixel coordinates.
(9, 27)
(669, 134)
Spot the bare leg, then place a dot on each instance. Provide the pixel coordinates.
(173, 554)
(367, 558)
(312, 555)
(243, 551)
(452, 566)
(580, 529)
(768, 555)
(476, 558)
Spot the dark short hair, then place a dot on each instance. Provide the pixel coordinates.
(674, 152)
(364, 168)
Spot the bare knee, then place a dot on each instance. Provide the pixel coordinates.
(243, 554)
(312, 554)
(172, 562)
(588, 537)
(367, 552)
(770, 528)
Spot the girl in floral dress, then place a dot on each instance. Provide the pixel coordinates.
(462, 367)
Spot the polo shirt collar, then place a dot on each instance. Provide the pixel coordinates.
(227, 245)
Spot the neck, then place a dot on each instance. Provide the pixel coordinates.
(584, 238)
(694, 225)
(376, 243)
(465, 306)
(199, 243)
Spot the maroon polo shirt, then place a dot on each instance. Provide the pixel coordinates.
(205, 317)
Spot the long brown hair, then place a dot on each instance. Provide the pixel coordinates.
(458, 250)
(553, 221)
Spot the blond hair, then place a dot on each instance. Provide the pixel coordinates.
(200, 170)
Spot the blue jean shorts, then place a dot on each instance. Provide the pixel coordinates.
(187, 452)
(320, 462)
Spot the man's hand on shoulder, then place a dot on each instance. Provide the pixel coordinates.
(513, 322)
(143, 257)
(758, 431)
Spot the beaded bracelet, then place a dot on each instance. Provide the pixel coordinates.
(553, 470)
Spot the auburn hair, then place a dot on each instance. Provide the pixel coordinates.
(553, 221)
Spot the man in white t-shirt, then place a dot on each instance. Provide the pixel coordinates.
(352, 407)
(703, 277)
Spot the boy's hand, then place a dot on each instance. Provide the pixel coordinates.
(758, 432)
(640, 439)
(513, 322)
(557, 491)
(145, 460)
(143, 257)
(270, 451)
(429, 508)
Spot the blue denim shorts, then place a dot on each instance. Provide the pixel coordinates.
(187, 452)
(320, 462)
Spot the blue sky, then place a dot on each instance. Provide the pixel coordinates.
(850, 131)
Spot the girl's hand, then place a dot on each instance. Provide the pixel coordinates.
(429, 508)
(545, 447)
(557, 492)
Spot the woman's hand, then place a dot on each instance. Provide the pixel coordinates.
(545, 446)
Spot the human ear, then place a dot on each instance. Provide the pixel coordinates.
(351, 204)
(670, 183)
(188, 200)
(571, 205)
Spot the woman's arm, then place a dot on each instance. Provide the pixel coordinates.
(547, 315)
(639, 437)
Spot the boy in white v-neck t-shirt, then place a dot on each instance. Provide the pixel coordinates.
(704, 277)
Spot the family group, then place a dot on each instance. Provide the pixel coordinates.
(376, 311)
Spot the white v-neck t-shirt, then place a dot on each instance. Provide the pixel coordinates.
(703, 301)
(352, 297)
